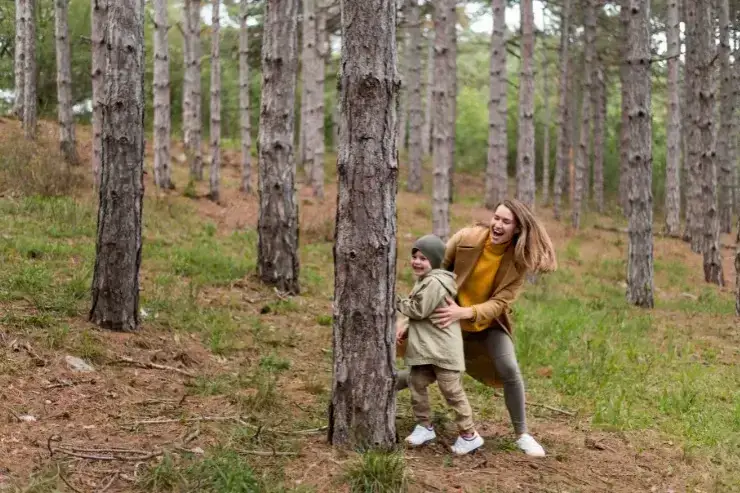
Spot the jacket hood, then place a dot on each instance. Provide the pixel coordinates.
(446, 278)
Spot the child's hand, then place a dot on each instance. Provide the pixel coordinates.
(401, 332)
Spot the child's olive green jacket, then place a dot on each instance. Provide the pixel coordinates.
(427, 343)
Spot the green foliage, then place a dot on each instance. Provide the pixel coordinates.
(378, 472)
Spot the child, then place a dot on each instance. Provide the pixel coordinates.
(434, 353)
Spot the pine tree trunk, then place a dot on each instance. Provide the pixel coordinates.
(726, 159)
(67, 141)
(162, 122)
(525, 182)
(309, 63)
(317, 106)
(277, 262)
(196, 152)
(496, 168)
(244, 116)
(442, 95)
(416, 113)
(29, 89)
(451, 73)
(582, 160)
(673, 130)
(403, 62)
(598, 103)
(98, 40)
(215, 130)
(427, 130)
(363, 404)
(737, 270)
(561, 161)
(115, 286)
(187, 79)
(640, 154)
(624, 167)
(546, 132)
(20, 57)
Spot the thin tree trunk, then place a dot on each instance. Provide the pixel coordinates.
(582, 161)
(496, 168)
(673, 130)
(162, 121)
(451, 73)
(244, 116)
(317, 105)
(403, 61)
(726, 158)
(525, 182)
(546, 132)
(444, 24)
(624, 168)
(416, 113)
(196, 152)
(98, 40)
(29, 89)
(115, 286)
(215, 130)
(20, 57)
(640, 153)
(598, 103)
(277, 256)
(67, 141)
(561, 162)
(737, 270)
(427, 130)
(309, 63)
(187, 80)
(363, 403)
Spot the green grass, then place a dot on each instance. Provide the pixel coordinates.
(378, 472)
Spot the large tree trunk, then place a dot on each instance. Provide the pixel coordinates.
(429, 87)
(726, 159)
(561, 161)
(244, 116)
(20, 57)
(496, 168)
(640, 153)
(416, 113)
(525, 182)
(162, 121)
(673, 129)
(215, 130)
(29, 89)
(624, 167)
(442, 95)
(195, 86)
(599, 102)
(115, 286)
(98, 40)
(67, 141)
(363, 403)
(546, 132)
(277, 255)
(317, 105)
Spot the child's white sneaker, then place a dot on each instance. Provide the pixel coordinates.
(420, 436)
(464, 446)
(529, 446)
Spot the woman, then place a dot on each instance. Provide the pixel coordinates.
(491, 263)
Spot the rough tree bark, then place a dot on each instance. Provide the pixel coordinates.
(640, 155)
(416, 113)
(624, 168)
(546, 131)
(29, 76)
(496, 167)
(277, 225)
(726, 158)
(162, 121)
(429, 86)
(19, 62)
(561, 162)
(442, 95)
(582, 156)
(403, 62)
(317, 105)
(115, 286)
(598, 104)
(363, 407)
(215, 110)
(309, 62)
(244, 116)
(737, 270)
(525, 182)
(194, 45)
(67, 141)
(673, 130)
(97, 37)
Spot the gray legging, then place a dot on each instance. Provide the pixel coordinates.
(501, 349)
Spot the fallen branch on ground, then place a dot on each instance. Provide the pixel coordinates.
(140, 456)
(67, 383)
(237, 419)
(110, 482)
(544, 406)
(152, 366)
(267, 453)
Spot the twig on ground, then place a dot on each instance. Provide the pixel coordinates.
(38, 360)
(192, 436)
(153, 366)
(544, 406)
(67, 383)
(111, 456)
(267, 453)
(110, 482)
(15, 414)
(64, 480)
(236, 419)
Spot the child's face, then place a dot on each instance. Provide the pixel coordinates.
(420, 264)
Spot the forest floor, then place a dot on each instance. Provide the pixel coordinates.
(225, 387)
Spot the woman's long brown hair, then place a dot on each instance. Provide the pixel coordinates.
(533, 247)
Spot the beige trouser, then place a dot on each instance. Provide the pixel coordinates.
(450, 385)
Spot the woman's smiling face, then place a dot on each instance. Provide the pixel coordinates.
(503, 225)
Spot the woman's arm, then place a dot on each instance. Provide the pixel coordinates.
(422, 302)
(500, 301)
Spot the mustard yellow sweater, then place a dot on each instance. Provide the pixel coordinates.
(478, 287)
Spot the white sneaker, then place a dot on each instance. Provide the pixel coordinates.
(464, 446)
(529, 446)
(420, 436)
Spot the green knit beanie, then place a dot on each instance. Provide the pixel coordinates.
(432, 247)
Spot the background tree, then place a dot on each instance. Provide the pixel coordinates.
(673, 129)
(525, 182)
(624, 73)
(546, 130)
(162, 122)
(726, 138)
(115, 286)
(599, 109)
(737, 270)
(194, 87)
(416, 111)
(67, 141)
(29, 76)
(277, 251)
(429, 85)
(19, 64)
(561, 162)
(97, 39)
(362, 411)
(244, 116)
(497, 163)
(215, 109)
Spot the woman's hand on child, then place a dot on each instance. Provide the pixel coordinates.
(400, 333)
(447, 315)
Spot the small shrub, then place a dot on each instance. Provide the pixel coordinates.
(378, 472)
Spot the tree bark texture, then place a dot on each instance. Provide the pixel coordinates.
(673, 130)
(195, 87)
(215, 130)
(245, 125)
(403, 62)
(277, 224)
(496, 167)
(582, 157)
(429, 87)
(29, 76)
(187, 82)
(598, 104)
(442, 96)
(640, 156)
(308, 63)
(316, 111)
(726, 158)
(19, 62)
(97, 35)
(561, 161)
(363, 403)
(67, 141)
(737, 270)
(416, 112)
(451, 73)
(624, 72)
(525, 181)
(546, 131)
(162, 118)
(115, 287)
